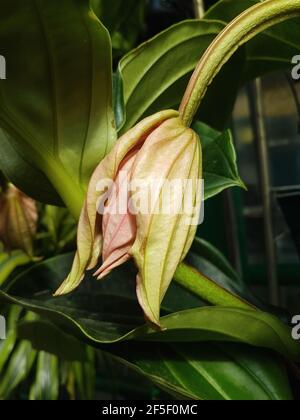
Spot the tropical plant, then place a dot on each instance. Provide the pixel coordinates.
(61, 112)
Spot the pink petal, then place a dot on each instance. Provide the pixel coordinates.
(119, 226)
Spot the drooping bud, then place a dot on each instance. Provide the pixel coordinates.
(153, 156)
(165, 235)
(18, 220)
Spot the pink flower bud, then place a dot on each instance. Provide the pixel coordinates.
(18, 221)
(158, 151)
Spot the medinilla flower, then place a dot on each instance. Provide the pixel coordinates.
(159, 150)
(18, 220)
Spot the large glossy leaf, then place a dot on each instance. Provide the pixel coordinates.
(209, 371)
(220, 169)
(56, 103)
(109, 309)
(204, 371)
(107, 312)
(225, 324)
(273, 50)
(46, 337)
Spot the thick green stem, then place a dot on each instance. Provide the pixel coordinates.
(70, 192)
(245, 27)
(207, 289)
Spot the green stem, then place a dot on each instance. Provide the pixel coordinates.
(207, 289)
(246, 26)
(70, 192)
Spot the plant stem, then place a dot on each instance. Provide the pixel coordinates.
(207, 289)
(246, 26)
(199, 8)
(70, 192)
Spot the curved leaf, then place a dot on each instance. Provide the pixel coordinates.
(151, 81)
(255, 328)
(62, 123)
(107, 312)
(9, 262)
(209, 371)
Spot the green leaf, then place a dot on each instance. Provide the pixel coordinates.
(95, 305)
(9, 262)
(46, 337)
(255, 328)
(209, 371)
(219, 160)
(151, 81)
(17, 369)
(125, 21)
(85, 376)
(22, 173)
(62, 124)
(46, 385)
(107, 312)
(271, 51)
